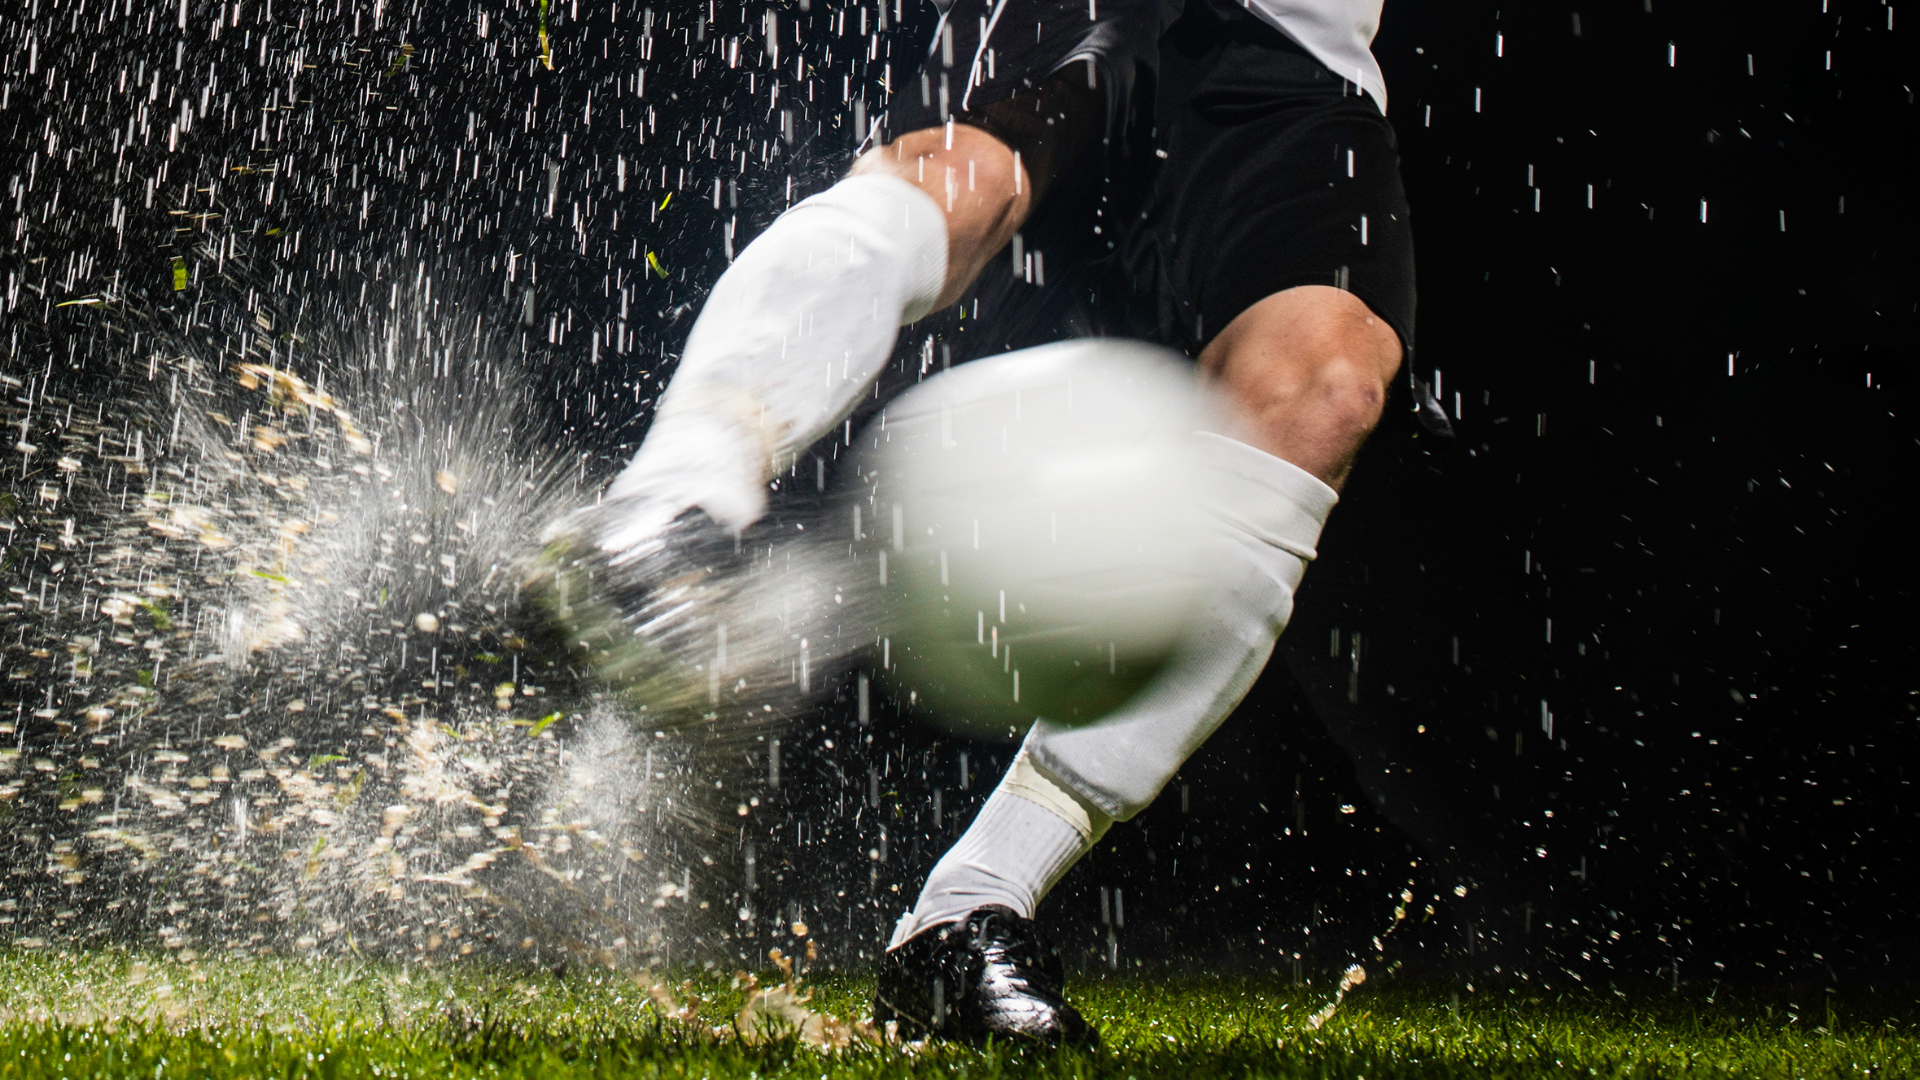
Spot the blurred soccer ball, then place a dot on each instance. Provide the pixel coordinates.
(1033, 523)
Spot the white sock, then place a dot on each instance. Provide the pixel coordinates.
(1270, 513)
(1022, 842)
(1039, 823)
(794, 334)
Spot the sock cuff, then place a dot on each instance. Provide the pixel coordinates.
(910, 217)
(1025, 780)
(1270, 498)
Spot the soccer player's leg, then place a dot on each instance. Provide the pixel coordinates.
(825, 289)
(1284, 233)
(1276, 245)
(792, 337)
(980, 183)
(1308, 369)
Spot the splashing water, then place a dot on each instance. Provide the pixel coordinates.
(1349, 979)
(276, 687)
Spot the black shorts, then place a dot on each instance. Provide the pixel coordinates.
(1196, 161)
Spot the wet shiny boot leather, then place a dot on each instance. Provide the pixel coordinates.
(991, 976)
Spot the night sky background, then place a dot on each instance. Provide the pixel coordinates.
(1614, 681)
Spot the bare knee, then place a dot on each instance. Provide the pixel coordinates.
(1308, 370)
(972, 161)
(1347, 380)
(976, 180)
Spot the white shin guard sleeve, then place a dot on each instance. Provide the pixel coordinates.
(1271, 512)
(794, 333)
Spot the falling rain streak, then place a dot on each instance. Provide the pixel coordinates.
(314, 314)
(315, 317)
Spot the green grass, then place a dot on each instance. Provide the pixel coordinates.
(111, 1014)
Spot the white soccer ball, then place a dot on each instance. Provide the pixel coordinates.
(1034, 521)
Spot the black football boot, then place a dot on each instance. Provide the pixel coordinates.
(645, 614)
(991, 976)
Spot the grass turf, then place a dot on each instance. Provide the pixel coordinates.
(112, 1014)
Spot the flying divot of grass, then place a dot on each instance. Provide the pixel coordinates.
(772, 1014)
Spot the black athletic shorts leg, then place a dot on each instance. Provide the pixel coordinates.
(987, 51)
(1277, 173)
(1236, 165)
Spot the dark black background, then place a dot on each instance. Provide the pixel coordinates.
(1684, 445)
